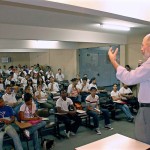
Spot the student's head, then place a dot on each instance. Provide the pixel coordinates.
(27, 89)
(125, 86)
(1, 80)
(63, 94)
(40, 80)
(8, 89)
(145, 47)
(74, 81)
(1, 102)
(84, 79)
(93, 91)
(39, 87)
(115, 87)
(28, 98)
(59, 70)
(30, 82)
(128, 67)
(51, 79)
(27, 76)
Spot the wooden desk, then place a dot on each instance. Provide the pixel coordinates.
(115, 142)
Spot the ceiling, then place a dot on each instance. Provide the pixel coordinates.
(72, 15)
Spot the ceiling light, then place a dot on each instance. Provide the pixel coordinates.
(114, 27)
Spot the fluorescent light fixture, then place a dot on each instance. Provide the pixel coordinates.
(114, 27)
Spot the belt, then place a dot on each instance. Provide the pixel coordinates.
(144, 104)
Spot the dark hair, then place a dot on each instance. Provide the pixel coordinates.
(59, 69)
(8, 85)
(92, 79)
(93, 88)
(26, 87)
(27, 97)
(74, 79)
(63, 90)
(84, 78)
(114, 84)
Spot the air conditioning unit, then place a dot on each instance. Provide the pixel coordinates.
(5, 59)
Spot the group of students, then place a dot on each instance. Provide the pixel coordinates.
(38, 89)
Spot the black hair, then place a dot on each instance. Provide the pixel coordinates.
(8, 85)
(92, 79)
(84, 78)
(74, 79)
(93, 88)
(27, 97)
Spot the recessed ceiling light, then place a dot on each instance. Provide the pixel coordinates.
(114, 27)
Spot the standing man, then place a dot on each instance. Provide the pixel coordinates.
(139, 75)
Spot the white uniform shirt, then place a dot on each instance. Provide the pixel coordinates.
(43, 94)
(27, 114)
(92, 102)
(92, 85)
(55, 87)
(10, 98)
(115, 94)
(64, 103)
(125, 91)
(60, 77)
(85, 88)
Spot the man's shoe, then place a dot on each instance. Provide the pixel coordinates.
(72, 133)
(130, 119)
(67, 134)
(108, 127)
(98, 131)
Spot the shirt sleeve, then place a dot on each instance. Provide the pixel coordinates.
(140, 74)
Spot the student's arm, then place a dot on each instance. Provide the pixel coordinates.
(59, 110)
(114, 98)
(23, 118)
(6, 121)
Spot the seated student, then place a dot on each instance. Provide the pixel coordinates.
(40, 96)
(53, 86)
(6, 118)
(73, 91)
(28, 114)
(128, 97)
(60, 76)
(84, 88)
(10, 99)
(121, 104)
(92, 106)
(63, 104)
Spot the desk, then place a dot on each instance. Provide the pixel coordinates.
(115, 142)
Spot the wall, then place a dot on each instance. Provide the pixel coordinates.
(16, 58)
(64, 59)
(133, 50)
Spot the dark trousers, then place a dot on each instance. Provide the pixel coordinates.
(95, 117)
(66, 119)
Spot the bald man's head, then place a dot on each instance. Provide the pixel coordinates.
(145, 47)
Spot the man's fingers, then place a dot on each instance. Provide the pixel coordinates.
(116, 51)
